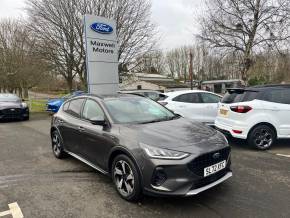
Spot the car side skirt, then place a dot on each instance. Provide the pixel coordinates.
(87, 162)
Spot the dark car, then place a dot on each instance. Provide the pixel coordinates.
(154, 95)
(143, 146)
(53, 105)
(12, 108)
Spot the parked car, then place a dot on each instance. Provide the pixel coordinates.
(196, 105)
(143, 146)
(154, 95)
(53, 105)
(12, 107)
(258, 114)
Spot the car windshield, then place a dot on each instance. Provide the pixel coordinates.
(9, 98)
(137, 110)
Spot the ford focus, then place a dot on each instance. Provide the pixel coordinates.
(144, 147)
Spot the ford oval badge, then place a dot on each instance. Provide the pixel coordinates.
(216, 155)
(102, 28)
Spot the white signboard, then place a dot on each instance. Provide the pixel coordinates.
(102, 55)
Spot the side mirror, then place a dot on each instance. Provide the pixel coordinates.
(23, 99)
(100, 121)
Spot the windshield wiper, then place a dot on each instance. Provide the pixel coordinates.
(155, 121)
(160, 120)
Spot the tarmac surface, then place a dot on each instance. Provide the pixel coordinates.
(43, 186)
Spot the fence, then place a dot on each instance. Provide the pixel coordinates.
(37, 104)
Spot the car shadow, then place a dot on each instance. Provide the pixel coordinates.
(11, 121)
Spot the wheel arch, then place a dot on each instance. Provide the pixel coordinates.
(121, 150)
(264, 123)
(53, 128)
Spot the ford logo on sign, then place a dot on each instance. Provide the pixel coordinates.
(102, 28)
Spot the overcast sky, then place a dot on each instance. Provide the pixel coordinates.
(175, 19)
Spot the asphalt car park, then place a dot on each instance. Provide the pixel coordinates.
(43, 186)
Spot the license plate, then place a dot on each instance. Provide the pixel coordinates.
(214, 168)
(224, 112)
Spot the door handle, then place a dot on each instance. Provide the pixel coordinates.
(60, 121)
(81, 129)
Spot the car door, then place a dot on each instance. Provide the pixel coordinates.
(96, 139)
(277, 104)
(69, 124)
(210, 103)
(189, 105)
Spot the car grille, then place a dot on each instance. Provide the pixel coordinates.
(198, 164)
(209, 179)
(11, 113)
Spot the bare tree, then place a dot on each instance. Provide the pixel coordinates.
(246, 27)
(151, 62)
(59, 27)
(20, 65)
(177, 61)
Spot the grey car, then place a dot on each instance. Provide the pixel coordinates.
(143, 146)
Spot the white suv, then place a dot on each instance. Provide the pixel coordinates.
(259, 114)
(196, 105)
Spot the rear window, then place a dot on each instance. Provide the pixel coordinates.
(239, 96)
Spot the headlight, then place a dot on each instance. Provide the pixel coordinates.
(24, 105)
(161, 153)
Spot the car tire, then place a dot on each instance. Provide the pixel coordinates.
(262, 137)
(57, 145)
(126, 178)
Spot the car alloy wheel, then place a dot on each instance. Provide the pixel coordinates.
(56, 144)
(262, 137)
(57, 147)
(124, 178)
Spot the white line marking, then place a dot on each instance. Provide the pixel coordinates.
(15, 211)
(5, 213)
(283, 155)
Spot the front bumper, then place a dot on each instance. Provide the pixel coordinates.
(14, 113)
(198, 190)
(182, 178)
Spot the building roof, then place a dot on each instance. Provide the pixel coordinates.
(168, 84)
(221, 81)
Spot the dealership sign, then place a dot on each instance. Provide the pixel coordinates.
(102, 55)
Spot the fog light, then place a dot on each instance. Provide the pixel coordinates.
(159, 176)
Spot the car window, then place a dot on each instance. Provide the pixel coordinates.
(65, 106)
(278, 96)
(162, 97)
(9, 98)
(241, 96)
(250, 96)
(75, 107)
(152, 95)
(210, 98)
(188, 98)
(232, 97)
(92, 110)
